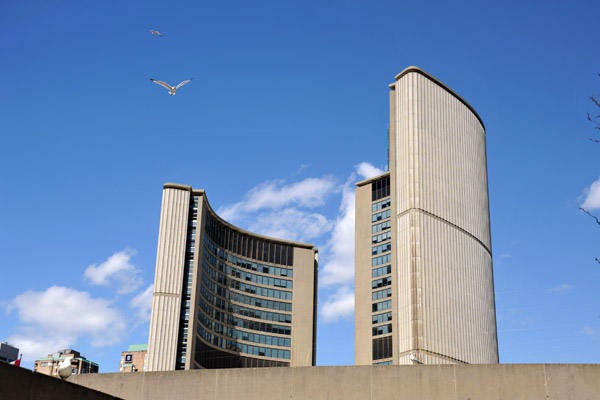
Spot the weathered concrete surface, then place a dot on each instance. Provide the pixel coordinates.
(22, 384)
(424, 382)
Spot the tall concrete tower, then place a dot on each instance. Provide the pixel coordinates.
(424, 281)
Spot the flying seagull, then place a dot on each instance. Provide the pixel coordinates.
(172, 89)
(156, 33)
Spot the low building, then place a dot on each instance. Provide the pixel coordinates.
(79, 364)
(134, 359)
(8, 353)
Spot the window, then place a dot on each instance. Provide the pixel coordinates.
(381, 260)
(382, 237)
(381, 282)
(384, 305)
(382, 248)
(381, 271)
(380, 216)
(380, 188)
(382, 330)
(382, 226)
(382, 348)
(382, 294)
(380, 318)
(380, 205)
(129, 357)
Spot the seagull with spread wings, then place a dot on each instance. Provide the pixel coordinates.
(172, 89)
(156, 33)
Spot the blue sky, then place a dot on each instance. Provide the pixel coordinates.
(289, 101)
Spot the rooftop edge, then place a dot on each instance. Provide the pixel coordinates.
(201, 192)
(426, 74)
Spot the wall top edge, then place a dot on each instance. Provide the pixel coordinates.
(201, 192)
(426, 74)
(367, 181)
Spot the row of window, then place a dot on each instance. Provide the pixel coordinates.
(242, 335)
(383, 305)
(380, 318)
(383, 363)
(188, 270)
(382, 348)
(381, 271)
(382, 226)
(375, 261)
(242, 323)
(380, 205)
(244, 348)
(244, 287)
(252, 301)
(247, 276)
(381, 294)
(247, 245)
(382, 248)
(382, 330)
(383, 282)
(381, 215)
(380, 188)
(249, 265)
(239, 310)
(382, 237)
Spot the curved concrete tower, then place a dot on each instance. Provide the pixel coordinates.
(225, 297)
(424, 280)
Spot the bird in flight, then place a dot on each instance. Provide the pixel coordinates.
(156, 33)
(172, 89)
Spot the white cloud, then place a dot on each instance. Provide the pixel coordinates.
(367, 170)
(291, 224)
(309, 193)
(338, 305)
(560, 289)
(589, 331)
(143, 303)
(592, 196)
(339, 267)
(58, 317)
(116, 269)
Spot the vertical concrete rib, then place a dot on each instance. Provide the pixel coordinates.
(170, 258)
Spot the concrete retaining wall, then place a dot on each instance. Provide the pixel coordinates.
(468, 382)
(23, 384)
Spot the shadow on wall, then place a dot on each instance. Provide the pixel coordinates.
(18, 383)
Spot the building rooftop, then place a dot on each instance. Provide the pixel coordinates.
(138, 347)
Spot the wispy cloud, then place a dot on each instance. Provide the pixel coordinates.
(339, 267)
(560, 289)
(142, 302)
(116, 270)
(274, 195)
(339, 305)
(590, 331)
(59, 317)
(291, 224)
(592, 196)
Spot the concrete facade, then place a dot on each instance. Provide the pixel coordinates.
(423, 382)
(423, 262)
(225, 297)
